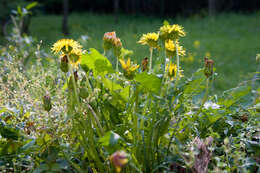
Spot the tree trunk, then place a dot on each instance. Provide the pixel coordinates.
(65, 27)
(212, 7)
(116, 10)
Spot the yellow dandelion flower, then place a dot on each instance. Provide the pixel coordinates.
(129, 69)
(171, 32)
(172, 70)
(74, 56)
(66, 46)
(171, 49)
(150, 39)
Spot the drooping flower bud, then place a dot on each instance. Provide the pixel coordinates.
(208, 67)
(119, 160)
(47, 103)
(64, 64)
(145, 64)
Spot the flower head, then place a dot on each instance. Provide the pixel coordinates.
(66, 46)
(172, 70)
(171, 49)
(171, 32)
(150, 39)
(70, 48)
(119, 160)
(129, 69)
(111, 41)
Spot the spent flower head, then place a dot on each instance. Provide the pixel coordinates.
(129, 69)
(171, 32)
(170, 49)
(208, 67)
(150, 39)
(119, 160)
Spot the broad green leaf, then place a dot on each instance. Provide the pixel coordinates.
(149, 82)
(96, 62)
(235, 95)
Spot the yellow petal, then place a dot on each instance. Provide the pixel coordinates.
(128, 62)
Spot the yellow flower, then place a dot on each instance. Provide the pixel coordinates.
(119, 160)
(172, 70)
(196, 44)
(150, 39)
(129, 69)
(171, 49)
(171, 32)
(66, 46)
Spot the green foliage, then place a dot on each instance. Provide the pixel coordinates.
(162, 125)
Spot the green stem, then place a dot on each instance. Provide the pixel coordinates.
(205, 96)
(73, 80)
(116, 64)
(177, 59)
(206, 93)
(151, 59)
(96, 119)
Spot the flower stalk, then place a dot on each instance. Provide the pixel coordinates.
(151, 59)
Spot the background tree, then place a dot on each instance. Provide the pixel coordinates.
(212, 7)
(65, 26)
(116, 10)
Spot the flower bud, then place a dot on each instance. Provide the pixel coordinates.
(47, 103)
(208, 67)
(64, 64)
(119, 160)
(108, 40)
(145, 64)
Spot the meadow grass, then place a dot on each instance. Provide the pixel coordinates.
(231, 40)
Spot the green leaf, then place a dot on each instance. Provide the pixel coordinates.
(110, 139)
(235, 95)
(116, 88)
(31, 5)
(9, 132)
(195, 85)
(149, 82)
(95, 61)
